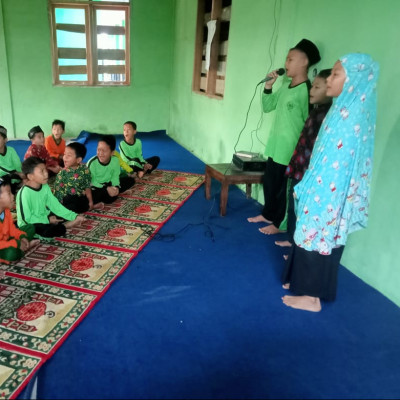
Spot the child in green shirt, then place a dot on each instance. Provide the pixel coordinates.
(131, 152)
(13, 242)
(105, 171)
(10, 164)
(35, 201)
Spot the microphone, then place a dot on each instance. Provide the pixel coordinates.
(279, 71)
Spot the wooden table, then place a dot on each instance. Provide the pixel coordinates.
(228, 174)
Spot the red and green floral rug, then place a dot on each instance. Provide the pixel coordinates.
(45, 295)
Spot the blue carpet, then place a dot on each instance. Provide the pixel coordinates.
(198, 314)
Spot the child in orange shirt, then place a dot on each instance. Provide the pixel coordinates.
(54, 143)
(13, 242)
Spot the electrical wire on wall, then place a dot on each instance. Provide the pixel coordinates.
(271, 56)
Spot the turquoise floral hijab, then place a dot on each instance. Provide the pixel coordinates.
(333, 196)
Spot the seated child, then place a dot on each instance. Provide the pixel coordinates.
(72, 185)
(10, 164)
(126, 168)
(37, 149)
(13, 242)
(54, 143)
(35, 202)
(131, 152)
(105, 171)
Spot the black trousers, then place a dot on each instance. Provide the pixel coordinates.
(291, 218)
(312, 274)
(78, 204)
(275, 190)
(50, 230)
(101, 194)
(153, 161)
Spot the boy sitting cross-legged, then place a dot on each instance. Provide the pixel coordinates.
(10, 164)
(13, 242)
(35, 201)
(37, 149)
(72, 185)
(131, 152)
(105, 171)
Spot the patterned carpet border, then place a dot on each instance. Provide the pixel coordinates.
(16, 369)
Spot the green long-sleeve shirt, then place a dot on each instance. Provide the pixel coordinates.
(9, 161)
(35, 205)
(102, 174)
(132, 153)
(291, 106)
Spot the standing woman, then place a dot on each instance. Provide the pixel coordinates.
(333, 197)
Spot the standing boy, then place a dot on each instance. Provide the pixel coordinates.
(291, 104)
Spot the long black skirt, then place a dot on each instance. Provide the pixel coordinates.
(312, 274)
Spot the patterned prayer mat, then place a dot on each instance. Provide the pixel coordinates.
(44, 296)
(111, 233)
(72, 264)
(138, 210)
(15, 371)
(159, 192)
(38, 317)
(183, 179)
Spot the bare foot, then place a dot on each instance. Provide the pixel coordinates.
(283, 243)
(33, 243)
(259, 218)
(286, 286)
(270, 230)
(306, 303)
(285, 257)
(98, 206)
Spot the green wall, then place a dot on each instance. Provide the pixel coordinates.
(260, 35)
(26, 54)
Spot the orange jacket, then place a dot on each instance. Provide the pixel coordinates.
(8, 231)
(55, 150)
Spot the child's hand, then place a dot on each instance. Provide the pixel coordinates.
(24, 246)
(112, 191)
(147, 166)
(54, 220)
(80, 218)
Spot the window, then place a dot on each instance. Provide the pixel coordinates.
(211, 49)
(90, 42)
